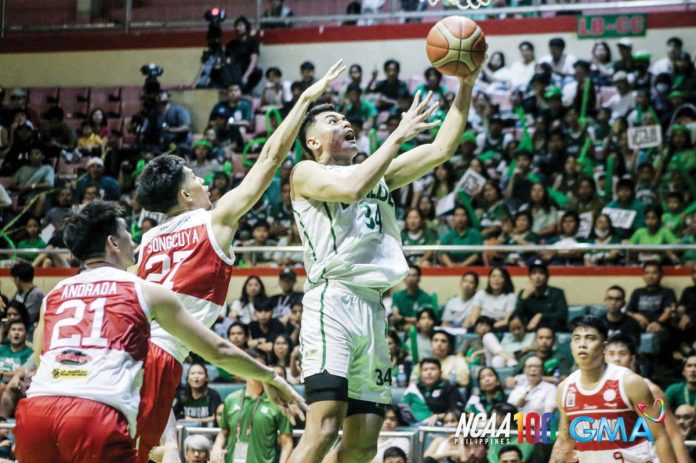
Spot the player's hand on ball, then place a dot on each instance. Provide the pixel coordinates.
(319, 87)
(290, 403)
(414, 121)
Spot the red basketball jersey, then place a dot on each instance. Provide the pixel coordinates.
(607, 400)
(95, 339)
(182, 255)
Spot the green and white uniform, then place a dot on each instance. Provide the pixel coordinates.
(352, 254)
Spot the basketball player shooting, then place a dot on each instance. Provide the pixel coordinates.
(599, 390)
(352, 254)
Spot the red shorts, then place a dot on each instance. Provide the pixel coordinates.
(161, 378)
(71, 430)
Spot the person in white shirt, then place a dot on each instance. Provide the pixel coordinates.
(624, 101)
(453, 367)
(497, 301)
(534, 394)
(666, 64)
(561, 62)
(521, 72)
(514, 344)
(458, 309)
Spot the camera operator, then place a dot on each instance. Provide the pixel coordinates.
(175, 124)
(243, 54)
(216, 70)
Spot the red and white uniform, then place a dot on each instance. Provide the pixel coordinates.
(607, 400)
(85, 395)
(182, 255)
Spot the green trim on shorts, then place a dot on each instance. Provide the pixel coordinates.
(333, 234)
(321, 327)
(304, 232)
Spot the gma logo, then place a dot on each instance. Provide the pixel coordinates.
(585, 429)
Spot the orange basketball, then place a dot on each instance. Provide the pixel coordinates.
(456, 46)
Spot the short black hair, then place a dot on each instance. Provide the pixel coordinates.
(245, 21)
(354, 88)
(24, 271)
(394, 452)
(258, 354)
(474, 275)
(264, 304)
(392, 62)
(307, 66)
(158, 187)
(557, 42)
(620, 338)
(85, 233)
(484, 320)
(21, 308)
(431, 360)
(652, 263)
(590, 321)
(676, 41)
(273, 70)
(625, 183)
(510, 448)
(19, 321)
(618, 288)
(309, 119)
(676, 194)
(244, 328)
(429, 311)
(416, 268)
(525, 43)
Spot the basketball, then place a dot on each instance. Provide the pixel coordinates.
(456, 46)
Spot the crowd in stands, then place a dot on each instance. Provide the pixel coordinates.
(549, 159)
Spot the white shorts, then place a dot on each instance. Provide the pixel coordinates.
(345, 334)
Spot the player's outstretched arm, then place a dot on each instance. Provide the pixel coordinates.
(637, 390)
(563, 449)
(174, 318)
(311, 180)
(417, 162)
(238, 201)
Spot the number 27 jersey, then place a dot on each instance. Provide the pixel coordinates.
(182, 255)
(357, 244)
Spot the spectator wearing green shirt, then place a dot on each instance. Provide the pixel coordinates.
(407, 302)
(417, 233)
(32, 239)
(235, 106)
(461, 234)
(625, 200)
(540, 302)
(683, 392)
(252, 425)
(654, 234)
(673, 219)
(431, 396)
(689, 257)
(433, 83)
(14, 354)
(555, 365)
(355, 106)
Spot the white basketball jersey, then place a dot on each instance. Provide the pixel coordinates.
(358, 245)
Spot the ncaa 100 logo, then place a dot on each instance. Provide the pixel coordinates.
(531, 427)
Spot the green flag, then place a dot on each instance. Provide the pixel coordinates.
(466, 202)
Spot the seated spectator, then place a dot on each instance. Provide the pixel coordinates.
(243, 53)
(355, 106)
(574, 92)
(57, 136)
(395, 455)
(654, 234)
(493, 210)
(518, 188)
(400, 363)
(237, 334)
(534, 394)
(98, 118)
(561, 62)
(683, 392)
(392, 420)
(442, 183)
(490, 393)
(197, 448)
(225, 131)
(12, 311)
(261, 232)
(602, 233)
(176, 125)
(425, 323)
(203, 164)
(567, 236)
(651, 306)
(294, 323)
(556, 366)
(616, 319)
(517, 341)
(31, 240)
(433, 83)
(14, 354)
(89, 143)
(539, 302)
(32, 178)
(472, 349)
(458, 309)
(584, 197)
(197, 403)
(601, 67)
(234, 107)
(686, 420)
(452, 367)
(544, 214)
(407, 302)
(390, 89)
(276, 91)
(417, 233)
(460, 234)
(27, 293)
(280, 356)
(276, 9)
(108, 188)
(25, 137)
(645, 184)
(686, 308)
(634, 209)
(498, 300)
(242, 309)
(445, 448)
(673, 218)
(430, 396)
(520, 234)
(288, 298)
(61, 209)
(267, 435)
(264, 329)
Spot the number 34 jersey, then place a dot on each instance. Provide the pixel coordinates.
(95, 339)
(182, 255)
(357, 244)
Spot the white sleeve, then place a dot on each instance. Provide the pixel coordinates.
(510, 302)
(515, 396)
(5, 199)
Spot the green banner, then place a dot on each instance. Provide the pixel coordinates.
(610, 26)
